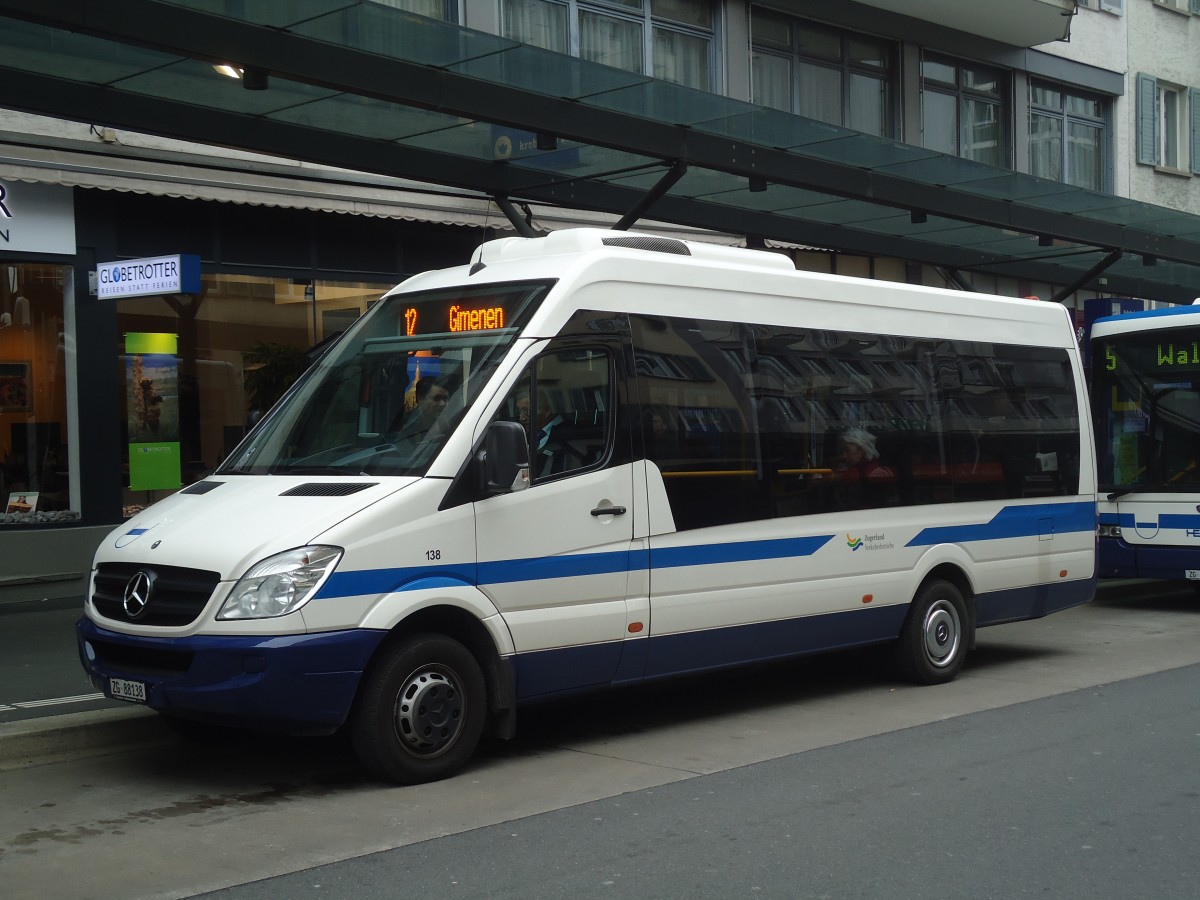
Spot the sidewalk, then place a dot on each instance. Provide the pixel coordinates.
(122, 727)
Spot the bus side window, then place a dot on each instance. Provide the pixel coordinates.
(564, 402)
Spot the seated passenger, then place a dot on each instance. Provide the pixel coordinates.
(859, 458)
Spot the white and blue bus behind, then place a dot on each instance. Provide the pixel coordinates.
(1145, 383)
(646, 458)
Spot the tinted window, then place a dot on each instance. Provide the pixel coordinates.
(750, 422)
(565, 403)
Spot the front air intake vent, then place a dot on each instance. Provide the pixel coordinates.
(327, 489)
(202, 487)
(654, 244)
(162, 596)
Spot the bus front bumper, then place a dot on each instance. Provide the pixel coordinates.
(301, 683)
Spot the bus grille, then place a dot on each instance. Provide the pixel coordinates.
(176, 598)
(148, 662)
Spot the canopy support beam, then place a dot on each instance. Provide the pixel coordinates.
(519, 222)
(678, 170)
(1112, 259)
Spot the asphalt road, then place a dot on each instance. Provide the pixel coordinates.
(40, 674)
(1091, 794)
(1060, 763)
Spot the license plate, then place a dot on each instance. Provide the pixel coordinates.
(133, 691)
(1191, 574)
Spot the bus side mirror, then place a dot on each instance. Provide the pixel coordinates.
(505, 458)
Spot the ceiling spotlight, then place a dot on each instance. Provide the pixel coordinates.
(228, 71)
(254, 79)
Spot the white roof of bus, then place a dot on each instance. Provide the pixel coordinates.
(769, 285)
(1148, 320)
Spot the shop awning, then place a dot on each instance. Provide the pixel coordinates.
(375, 89)
(321, 189)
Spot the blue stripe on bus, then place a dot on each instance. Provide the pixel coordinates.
(540, 568)
(744, 551)
(1165, 520)
(1151, 314)
(1013, 522)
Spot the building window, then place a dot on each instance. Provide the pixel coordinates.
(38, 484)
(446, 10)
(1117, 7)
(1068, 136)
(1168, 124)
(841, 78)
(668, 39)
(965, 110)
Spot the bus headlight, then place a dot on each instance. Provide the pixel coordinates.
(1110, 531)
(280, 584)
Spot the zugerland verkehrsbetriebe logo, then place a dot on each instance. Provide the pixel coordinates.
(869, 542)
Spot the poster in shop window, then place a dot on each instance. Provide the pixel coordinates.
(152, 409)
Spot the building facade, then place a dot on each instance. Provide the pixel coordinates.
(93, 387)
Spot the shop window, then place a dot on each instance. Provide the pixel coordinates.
(197, 371)
(38, 483)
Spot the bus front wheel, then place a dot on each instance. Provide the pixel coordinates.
(933, 642)
(421, 711)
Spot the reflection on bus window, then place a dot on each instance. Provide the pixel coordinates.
(751, 422)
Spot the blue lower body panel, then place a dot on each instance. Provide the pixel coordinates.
(1118, 559)
(299, 683)
(998, 607)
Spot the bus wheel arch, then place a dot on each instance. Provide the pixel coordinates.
(939, 629)
(435, 685)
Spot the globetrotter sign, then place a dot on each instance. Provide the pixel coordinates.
(179, 274)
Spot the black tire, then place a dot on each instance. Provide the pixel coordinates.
(421, 710)
(936, 635)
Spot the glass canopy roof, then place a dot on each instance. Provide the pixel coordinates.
(365, 86)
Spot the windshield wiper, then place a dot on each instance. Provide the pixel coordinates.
(1121, 492)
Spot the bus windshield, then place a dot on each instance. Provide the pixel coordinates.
(1146, 398)
(384, 399)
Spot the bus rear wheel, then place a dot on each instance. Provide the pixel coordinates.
(421, 711)
(933, 642)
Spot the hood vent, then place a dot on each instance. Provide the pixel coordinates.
(326, 489)
(202, 487)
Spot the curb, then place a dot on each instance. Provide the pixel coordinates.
(54, 739)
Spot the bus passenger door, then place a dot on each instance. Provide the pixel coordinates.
(556, 558)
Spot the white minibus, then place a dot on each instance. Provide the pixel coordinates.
(600, 458)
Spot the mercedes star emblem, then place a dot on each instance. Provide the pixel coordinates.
(137, 594)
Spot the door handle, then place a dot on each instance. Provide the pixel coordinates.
(608, 511)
